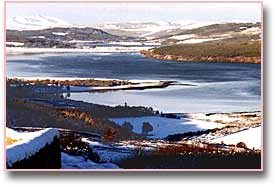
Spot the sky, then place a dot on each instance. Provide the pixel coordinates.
(95, 13)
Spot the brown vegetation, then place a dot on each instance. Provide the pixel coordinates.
(235, 51)
(77, 82)
(109, 134)
(146, 127)
(193, 156)
(25, 113)
(10, 141)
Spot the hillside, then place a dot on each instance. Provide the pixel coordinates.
(224, 51)
(211, 32)
(182, 41)
(221, 28)
(58, 37)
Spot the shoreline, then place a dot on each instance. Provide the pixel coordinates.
(64, 85)
(92, 125)
(24, 50)
(237, 59)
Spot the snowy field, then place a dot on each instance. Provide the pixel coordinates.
(78, 162)
(252, 137)
(115, 152)
(108, 153)
(162, 127)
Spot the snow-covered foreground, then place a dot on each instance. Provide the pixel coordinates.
(29, 143)
(78, 162)
(108, 153)
(162, 127)
(117, 151)
(252, 137)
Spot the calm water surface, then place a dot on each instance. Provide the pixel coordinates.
(220, 87)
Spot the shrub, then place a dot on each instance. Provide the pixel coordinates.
(127, 125)
(146, 128)
(241, 145)
(109, 134)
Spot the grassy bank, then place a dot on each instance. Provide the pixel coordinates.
(222, 51)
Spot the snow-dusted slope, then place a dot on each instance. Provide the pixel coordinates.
(34, 23)
(149, 29)
(252, 137)
(162, 127)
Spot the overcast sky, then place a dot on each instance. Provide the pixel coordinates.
(91, 13)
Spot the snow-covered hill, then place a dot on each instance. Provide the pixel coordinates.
(34, 22)
(147, 29)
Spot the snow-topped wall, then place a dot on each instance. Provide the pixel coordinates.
(33, 150)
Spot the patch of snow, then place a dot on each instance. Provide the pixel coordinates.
(125, 43)
(193, 25)
(214, 117)
(59, 78)
(152, 43)
(198, 40)
(135, 43)
(81, 41)
(253, 30)
(41, 37)
(98, 49)
(15, 43)
(60, 33)
(252, 137)
(143, 81)
(120, 87)
(242, 28)
(183, 37)
(152, 30)
(30, 143)
(144, 29)
(78, 162)
(162, 127)
(109, 153)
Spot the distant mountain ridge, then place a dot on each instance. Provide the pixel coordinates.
(37, 22)
(58, 37)
(47, 32)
